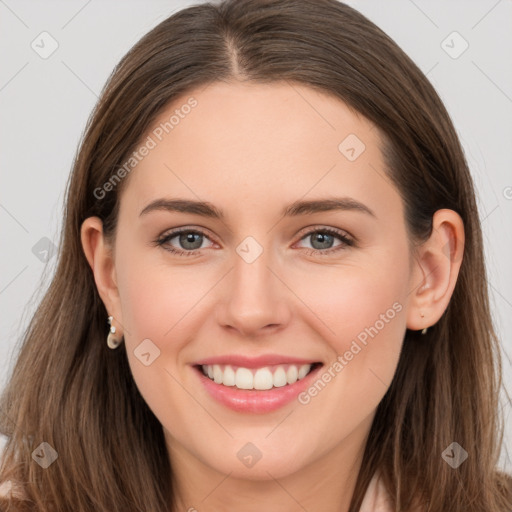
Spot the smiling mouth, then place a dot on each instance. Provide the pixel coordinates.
(264, 378)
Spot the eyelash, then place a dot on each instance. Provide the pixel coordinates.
(346, 241)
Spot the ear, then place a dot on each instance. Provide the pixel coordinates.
(99, 254)
(435, 270)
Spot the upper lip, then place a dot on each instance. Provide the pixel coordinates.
(254, 362)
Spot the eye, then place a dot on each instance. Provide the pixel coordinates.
(323, 240)
(190, 239)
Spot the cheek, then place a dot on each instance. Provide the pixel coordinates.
(350, 302)
(155, 296)
(362, 313)
(152, 302)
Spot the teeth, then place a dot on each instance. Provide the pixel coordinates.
(260, 379)
(229, 377)
(280, 377)
(217, 374)
(244, 379)
(292, 374)
(303, 371)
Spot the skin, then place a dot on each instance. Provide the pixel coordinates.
(251, 150)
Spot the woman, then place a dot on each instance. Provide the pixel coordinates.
(248, 370)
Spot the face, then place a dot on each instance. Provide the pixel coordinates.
(271, 289)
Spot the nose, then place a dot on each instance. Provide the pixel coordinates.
(253, 299)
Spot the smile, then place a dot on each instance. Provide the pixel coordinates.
(267, 377)
(258, 385)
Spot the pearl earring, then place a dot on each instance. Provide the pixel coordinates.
(424, 330)
(112, 341)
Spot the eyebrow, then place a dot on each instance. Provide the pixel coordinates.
(295, 209)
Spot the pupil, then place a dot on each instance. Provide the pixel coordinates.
(323, 238)
(189, 238)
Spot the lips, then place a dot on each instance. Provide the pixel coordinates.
(258, 384)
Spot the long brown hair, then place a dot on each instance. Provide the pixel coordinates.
(69, 390)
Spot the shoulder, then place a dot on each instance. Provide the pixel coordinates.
(376, 498)
(10, 489)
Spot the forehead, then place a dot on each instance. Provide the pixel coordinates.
(260, 144)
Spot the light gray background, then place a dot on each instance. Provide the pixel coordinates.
(46, 102)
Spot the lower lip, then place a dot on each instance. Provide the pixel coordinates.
(255, 401)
